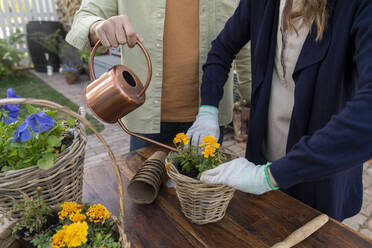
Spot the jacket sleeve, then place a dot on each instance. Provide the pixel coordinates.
(228, 43)
(346, 140)
(242, 65)
(89, 13)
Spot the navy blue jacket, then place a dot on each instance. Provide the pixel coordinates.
(330, 133)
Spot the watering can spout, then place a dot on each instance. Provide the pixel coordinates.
(118, 92)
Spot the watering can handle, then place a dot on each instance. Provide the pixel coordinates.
(149, 66)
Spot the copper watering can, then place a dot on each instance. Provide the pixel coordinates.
(118, 92)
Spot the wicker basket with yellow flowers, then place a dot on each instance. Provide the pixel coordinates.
(201, 203)
(69, 225)
(36, 212)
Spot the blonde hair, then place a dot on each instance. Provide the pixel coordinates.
(312, 11)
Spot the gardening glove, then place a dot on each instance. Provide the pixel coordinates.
(115, 31)
(241, 175)
(206, 124)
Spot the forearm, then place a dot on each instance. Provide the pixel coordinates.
(343, 143)
(89, 14)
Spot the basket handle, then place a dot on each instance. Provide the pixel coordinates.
(125, 243)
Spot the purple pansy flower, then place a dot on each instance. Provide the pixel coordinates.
(70, 68)
(10, 93)
(40, 119)
(22, 133)
(10, 109)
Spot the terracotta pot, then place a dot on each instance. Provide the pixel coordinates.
(86, 69)
(71, 77)
(241, 122)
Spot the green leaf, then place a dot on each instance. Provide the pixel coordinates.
(52, 113)
(19, 164)
(31, 109)
(13, 154)
(63, 147)
(53, 141)
(71, 122)
(46, 162)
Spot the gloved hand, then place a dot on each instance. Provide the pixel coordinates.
(115, 31)
(206, 124)
(241, 175)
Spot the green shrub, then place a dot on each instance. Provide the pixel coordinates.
(10, 58)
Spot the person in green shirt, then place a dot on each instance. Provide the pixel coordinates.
(178, 36)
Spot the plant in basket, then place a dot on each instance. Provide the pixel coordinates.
(69, 225)
(38, 148)
(201, 203)
(71, 73)
(35, 140)
(190, 162)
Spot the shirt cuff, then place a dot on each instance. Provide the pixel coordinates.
(284, 172)
(79, 33)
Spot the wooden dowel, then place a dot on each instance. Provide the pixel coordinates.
(303, 232)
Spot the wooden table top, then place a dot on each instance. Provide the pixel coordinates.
(250, 221)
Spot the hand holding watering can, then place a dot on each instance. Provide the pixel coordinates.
(118, 92)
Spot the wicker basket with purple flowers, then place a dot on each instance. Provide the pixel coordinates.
(39, 150)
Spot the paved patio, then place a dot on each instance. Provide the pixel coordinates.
(119, 142)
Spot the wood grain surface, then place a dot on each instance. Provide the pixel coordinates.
(251, 221)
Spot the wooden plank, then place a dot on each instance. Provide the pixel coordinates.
(145, 224)
(52, 9)
(7, 19)
(13, 17)
(2, 23)
(32, 13)
(250, 221)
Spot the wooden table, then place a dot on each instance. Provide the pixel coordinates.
(251, 221)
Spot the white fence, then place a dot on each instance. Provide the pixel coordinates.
(15, 14)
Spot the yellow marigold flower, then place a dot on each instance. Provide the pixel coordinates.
(75, 234)
(77, 217)
(97, 213)
(210, 141)
(69, 236)
(69, 208)
(57, 239)
(181, 138)
(209, 151)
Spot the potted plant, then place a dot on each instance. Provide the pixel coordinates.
(68, 225)
(46, 37)
(85, 61)
(39, 150)
(71, 73)
(201, 203)
(241, 114)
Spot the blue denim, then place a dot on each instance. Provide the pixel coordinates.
(168, 130)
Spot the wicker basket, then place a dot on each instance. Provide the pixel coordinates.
(201, 203)
(68, 173)
(63, 182)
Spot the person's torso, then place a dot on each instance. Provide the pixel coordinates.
(325, 78)
(324, 74)
(148, 18)
(180, 86)
(288, 47)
